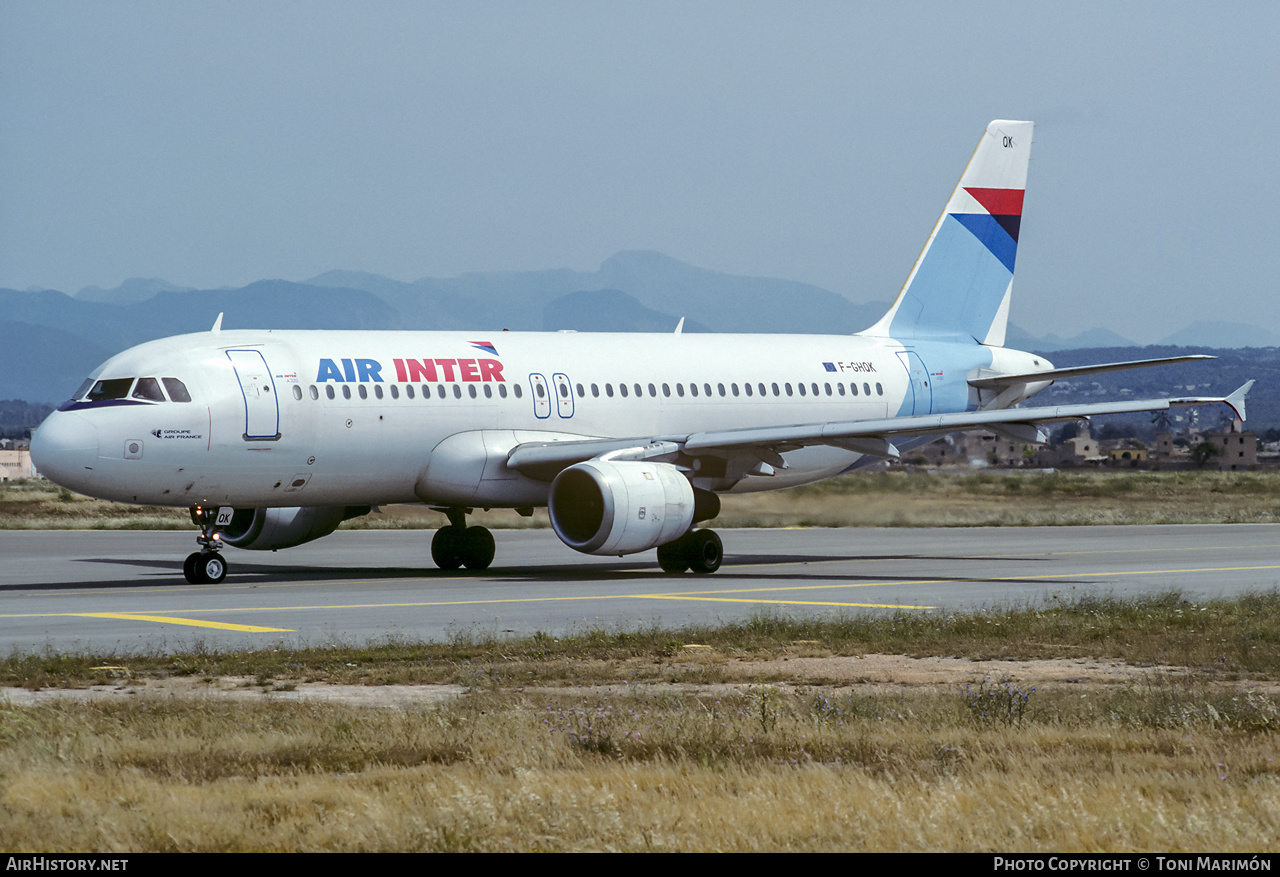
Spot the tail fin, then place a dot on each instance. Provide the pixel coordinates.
(960, 285)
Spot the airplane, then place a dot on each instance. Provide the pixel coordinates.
(274, 438)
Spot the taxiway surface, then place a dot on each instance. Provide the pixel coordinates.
(124, 591)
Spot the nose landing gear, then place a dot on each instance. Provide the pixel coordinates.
(205, 567)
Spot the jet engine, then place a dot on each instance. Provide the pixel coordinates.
(620, 507)
(269, 529)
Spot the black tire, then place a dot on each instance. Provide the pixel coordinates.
(477, 548)
(446, 547)
(211, 568)
(189, 571)
(673, 557)
(704, 551)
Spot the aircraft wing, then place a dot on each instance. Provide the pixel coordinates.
(545, 459)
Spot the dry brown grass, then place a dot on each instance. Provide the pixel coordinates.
(873, 499)
(758, 739)
(760, 769)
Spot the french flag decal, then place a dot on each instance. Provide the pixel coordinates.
(485, 346)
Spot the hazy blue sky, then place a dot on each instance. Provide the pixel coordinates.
(217, 143)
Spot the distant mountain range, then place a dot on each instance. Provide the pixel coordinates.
(51, 340)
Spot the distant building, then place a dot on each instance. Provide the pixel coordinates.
(1237, 447)
(1078, 451)
(973, 449)
(1125, 452)
(15, 463)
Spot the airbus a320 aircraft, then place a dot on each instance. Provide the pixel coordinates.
(273, 438)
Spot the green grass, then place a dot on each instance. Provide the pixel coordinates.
(1220, 639)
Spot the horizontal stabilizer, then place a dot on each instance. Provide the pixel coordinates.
(987, 380)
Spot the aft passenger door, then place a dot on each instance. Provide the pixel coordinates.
(919, 380)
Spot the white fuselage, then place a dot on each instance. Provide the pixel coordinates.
(310, 418)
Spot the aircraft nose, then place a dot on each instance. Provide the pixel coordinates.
(65, 449)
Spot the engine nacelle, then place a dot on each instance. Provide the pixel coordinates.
(605, 507)
(269, 529)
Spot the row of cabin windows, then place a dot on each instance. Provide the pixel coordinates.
(363, 391)
(747, 389)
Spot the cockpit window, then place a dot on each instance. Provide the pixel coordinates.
(117, 388)
(148, 388)
(177, 390)
(84, 388)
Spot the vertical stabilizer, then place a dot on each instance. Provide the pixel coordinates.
(960, 285)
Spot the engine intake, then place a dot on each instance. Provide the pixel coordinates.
(617, 508)
(269, 529)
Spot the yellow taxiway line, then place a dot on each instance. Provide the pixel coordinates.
(711, 595)
(189, 622)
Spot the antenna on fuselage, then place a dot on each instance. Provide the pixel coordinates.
(217, 324)
(680, 326)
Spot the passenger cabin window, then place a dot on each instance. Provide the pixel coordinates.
(297, 392)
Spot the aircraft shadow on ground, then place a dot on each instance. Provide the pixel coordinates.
(169, 572)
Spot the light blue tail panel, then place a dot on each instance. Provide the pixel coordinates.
(960, 284)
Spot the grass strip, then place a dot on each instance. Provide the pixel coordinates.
(1227, 639)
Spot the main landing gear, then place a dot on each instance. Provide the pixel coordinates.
(206, 567)
(458, 545)
(698, 550)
